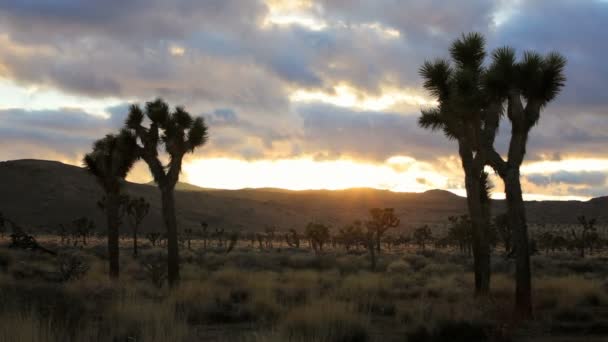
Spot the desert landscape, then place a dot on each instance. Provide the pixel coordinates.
(303, 171)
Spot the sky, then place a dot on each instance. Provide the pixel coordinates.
(302, 94)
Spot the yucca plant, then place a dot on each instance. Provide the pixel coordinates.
(468, 115)
(178, 133)
(528, 86)
(110, 161)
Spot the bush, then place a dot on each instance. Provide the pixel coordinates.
(325, 322)
(71, 266)
(398, 267)
(459, 331)
(154, 268)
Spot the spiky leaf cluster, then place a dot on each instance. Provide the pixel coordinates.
(111, 159)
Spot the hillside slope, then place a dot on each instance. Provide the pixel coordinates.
(42, 194)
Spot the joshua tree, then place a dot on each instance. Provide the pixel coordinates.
(179, 133)
(318, 235)
(504, 232)
(380, 221)
(470, 117)
(110, 161)
(292, 238)
(460, 231)
(153, 238)
(585, 238)
(83, 227)
(351, 235)
(204, 234)
(2, 226)
(137, 210)
(422, 236)
(535, 80)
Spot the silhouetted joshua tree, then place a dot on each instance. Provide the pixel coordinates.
(110, 161)
(318, 235)
(292, 238)
(2, 226)
(584, 239)
(380, 221)
(535, 80)
(423, 235)
(179, 134)
(469, 116)
(137, 209)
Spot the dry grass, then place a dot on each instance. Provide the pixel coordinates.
(275, 296)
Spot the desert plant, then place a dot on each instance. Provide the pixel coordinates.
(583, 240)
(2, 226)
(380, 221)
(71, 266)
(154, 267)
(469, 116)
(153, 237)
(292, 238)
(137, 209)
(423, 235)
(461, 232)
(535, 80)
(318, 235)
(83, 228)
(351, 235)
(179, 133)
(110, 161)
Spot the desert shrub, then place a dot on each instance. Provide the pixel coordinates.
(5, 260)
(154, 268)
(417, 262)
(71, 266)
(454, 331)
(398, 267)
(325, 322)
(296, 287)
(66, 310)
(229, 296)
(563, 292)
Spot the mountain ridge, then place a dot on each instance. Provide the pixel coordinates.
(42, 194)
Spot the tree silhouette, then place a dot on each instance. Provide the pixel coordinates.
(110, 161)
(469, 116)
(318, 235)
(423, 235)
(137, 209)
(535, 80)
(380, 221)
(179, 133)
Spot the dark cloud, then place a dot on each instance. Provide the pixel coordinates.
(368, 135)
(573, 28)
(64, 133)
(589, 178)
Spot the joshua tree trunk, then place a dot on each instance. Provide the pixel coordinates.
(135, 228)
(517, 220)
(112, 208)
(378, 247)
(481, 246)
(168, 203)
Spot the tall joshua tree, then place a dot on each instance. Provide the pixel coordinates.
(110, 161)
(467, 115)
(179, 134)
(380, 221)
(528, 86)
(137, 209)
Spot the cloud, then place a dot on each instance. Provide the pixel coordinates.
(589, 178)
(334, 131)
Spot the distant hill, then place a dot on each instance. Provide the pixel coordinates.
(42, 194)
